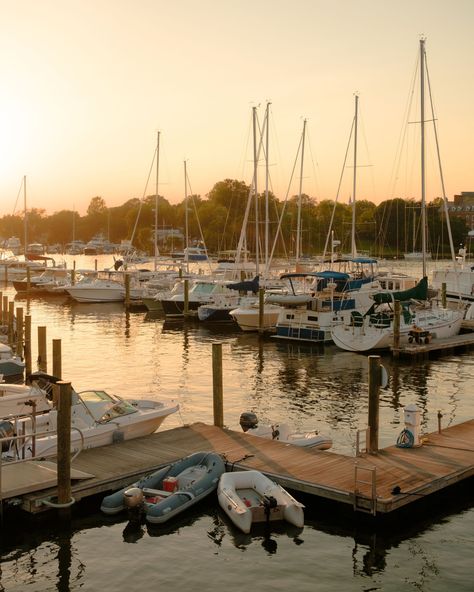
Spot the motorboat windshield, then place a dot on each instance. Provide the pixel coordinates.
(103, 407)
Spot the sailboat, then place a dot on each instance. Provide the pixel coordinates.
(309, 314)
(415, 255)
(420, 320)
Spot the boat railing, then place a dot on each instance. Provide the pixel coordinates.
(29, 439)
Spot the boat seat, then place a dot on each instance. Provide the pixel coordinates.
(357, 319)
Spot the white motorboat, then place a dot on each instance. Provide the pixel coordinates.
(97, 419)
(10, 365)
(97, 290)
(247, 315)
(50, 281)
(283, 433)
(21, 399)
(248, 497)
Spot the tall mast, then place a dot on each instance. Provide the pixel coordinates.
(298, 223)
(25, 221)
(254, 121)
(422, 121)
(267, 219)
(156, 196)
(354, 178)
(186, 252)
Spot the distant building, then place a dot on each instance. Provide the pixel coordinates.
(463, 207)
(167, 234)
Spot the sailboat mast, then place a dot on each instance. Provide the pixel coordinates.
(422, 121)
(298, 224)
(186, 252)
(267, 164)
(156, 197)
(354, 178)
(254, 123)
(25, 221)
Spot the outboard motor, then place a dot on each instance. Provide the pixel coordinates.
(6, 431)
(248, 420)
(132, 497)
(133, 500)
(269, 503)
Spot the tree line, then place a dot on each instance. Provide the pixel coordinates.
(388, 229)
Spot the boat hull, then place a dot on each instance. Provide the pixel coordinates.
(245, 495)
(196, 476)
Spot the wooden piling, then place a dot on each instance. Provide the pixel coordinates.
(375, 373)
(95, 264)
(73, 274)
(19, 332)
(42, 350)
(64, 443)
(1, 308)
(261, 305)
(127, 290)
(6, 274)
(217, 388)
(11, 324)
(186, 298)
(28, 279)
(5, 311)
(57, 360)
(396, 328)
(443, 295)
(27, 346)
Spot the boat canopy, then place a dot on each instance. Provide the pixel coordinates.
(363, 260)
(247, 285)
(418, 292)
(327, 275)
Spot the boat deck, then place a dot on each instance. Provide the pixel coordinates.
(386, 481)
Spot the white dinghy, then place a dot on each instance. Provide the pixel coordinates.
(283, 433)
(248, 497)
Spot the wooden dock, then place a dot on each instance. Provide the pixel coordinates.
(385, 482)
(438, 345)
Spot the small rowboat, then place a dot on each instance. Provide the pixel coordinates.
(169, 491)
(249, 496)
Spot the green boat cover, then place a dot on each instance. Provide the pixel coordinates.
(418, 292)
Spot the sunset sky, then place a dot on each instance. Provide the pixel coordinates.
(85, 86)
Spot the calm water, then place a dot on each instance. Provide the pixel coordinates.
(311, 388)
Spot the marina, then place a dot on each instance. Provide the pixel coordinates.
(259, 374)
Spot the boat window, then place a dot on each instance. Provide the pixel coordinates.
(103, 407)
(312, 318)
(203, 288)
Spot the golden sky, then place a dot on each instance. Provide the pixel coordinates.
(86, 84)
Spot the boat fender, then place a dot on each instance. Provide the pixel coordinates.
(275, 432)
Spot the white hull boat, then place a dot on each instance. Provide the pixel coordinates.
(248, 497)
(97, 419)
(97, 291)
(283, 433)
(248, 316)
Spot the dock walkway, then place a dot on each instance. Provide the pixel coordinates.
(414, 349)
(399, 475)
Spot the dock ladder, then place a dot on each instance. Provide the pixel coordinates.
(364, 480)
